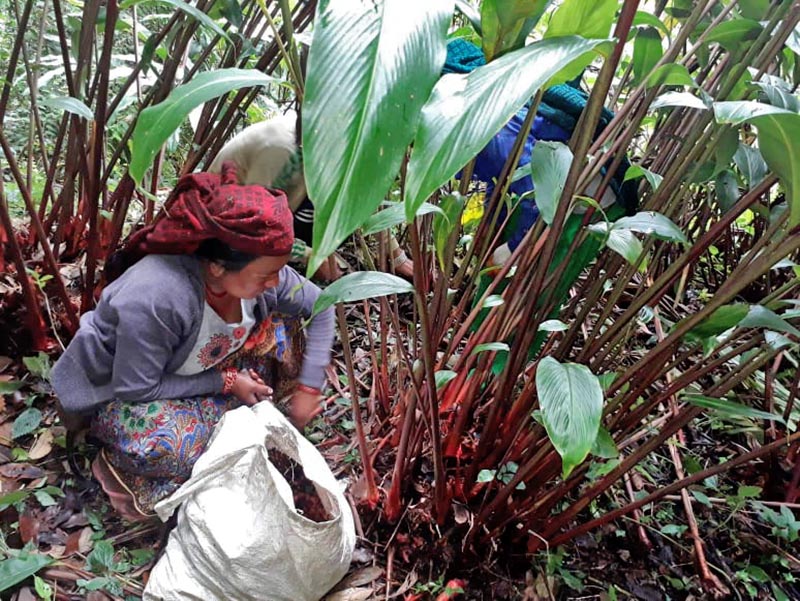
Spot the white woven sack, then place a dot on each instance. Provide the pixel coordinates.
(238, 536)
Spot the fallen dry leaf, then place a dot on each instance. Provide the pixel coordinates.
(79, 541)
(29, 527)
(85, 542)
(72, 542)
(361, 577)
(21, 471)
(42, 447)
(350, 594)
(75, 520)
(25, 594)
(537, 589)
(5, 362)
(411, 580)
(363, 555)
(8, 485)
(5, 433)
(57, 551)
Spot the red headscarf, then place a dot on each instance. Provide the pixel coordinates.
(249, 219)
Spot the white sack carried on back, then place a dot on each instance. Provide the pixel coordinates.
(238, 535)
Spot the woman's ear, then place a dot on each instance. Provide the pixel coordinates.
(216, 269)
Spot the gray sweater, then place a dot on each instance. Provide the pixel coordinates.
(147, 323)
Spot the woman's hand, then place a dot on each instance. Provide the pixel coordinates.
(304, 407)
(249, 388)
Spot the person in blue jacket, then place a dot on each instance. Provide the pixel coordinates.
(555, 120)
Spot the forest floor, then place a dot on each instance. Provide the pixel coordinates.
(88, 552)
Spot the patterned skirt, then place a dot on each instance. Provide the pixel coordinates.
(148, 449)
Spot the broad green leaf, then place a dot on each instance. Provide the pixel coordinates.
(44, 590)
(670, 75)
(506, 24)
(45, 498)
(575, 69)
(139, 557)
(634, 171)
(443, 376)
(393, 215)
(780, 96)
(701, 497)
(106, 583)
(14, 497)
(490, 346)
(740, 111)
(232, 11)
(26, 422)
(625, 244)
(621, 241)
(725, 149)
(778, 592)
(371, 67)
(772, 80)
(604, 445)
(586, 18)
(680, 9)
(360, 285)
(647, 51)
(550, 163)
(607, 379)
(591, 19)
(38, 365)
(729, 408)
(466, 8)
(571, 402)
(721, 320)
(726, 188)
(793, 41)
(493, 300)
(465, 111)
(652, 224)
(9, 387)
(732, 33)
(645, 18)
(16, 569)
(673, 529)
(443, 224)
(684, 99)
(101, 559)
(760, 317)
(778, 140)
(749, 492)
(754, 9)
(71, 105)
(553, 325)
(485, 476)
(157, 123)
(190, 10)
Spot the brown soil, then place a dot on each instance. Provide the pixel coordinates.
(306, 500)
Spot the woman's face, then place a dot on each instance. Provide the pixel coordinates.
(256, 277)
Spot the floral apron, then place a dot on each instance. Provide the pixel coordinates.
(148, 449)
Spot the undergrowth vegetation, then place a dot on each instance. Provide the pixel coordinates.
(621, 357)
